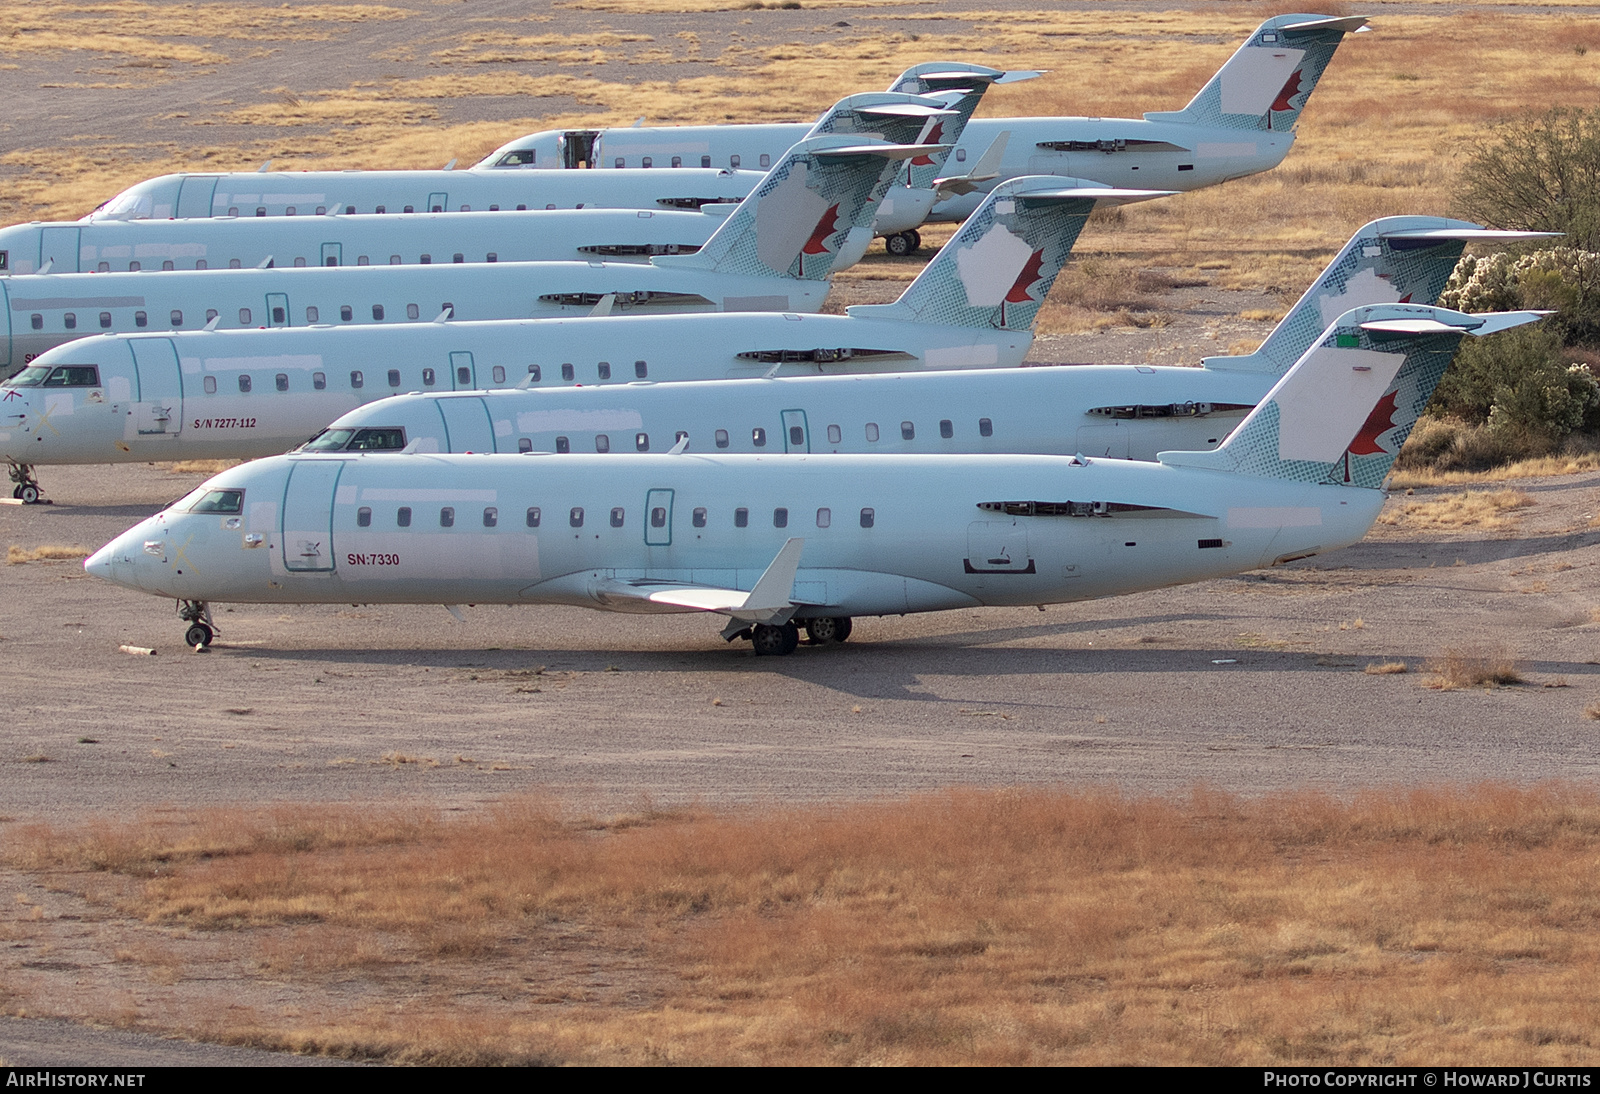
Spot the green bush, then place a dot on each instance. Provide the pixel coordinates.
(1565, 280)
(1518, 385)
(1538, 172)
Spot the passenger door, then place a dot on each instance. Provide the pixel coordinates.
(796, 437)
(60, 244)
(437, 203)
(463, 372)
(277, 309)
(308, 516)
(159, 411)
(658, 518)
(333, 254)
(466, 423)
(194, 196)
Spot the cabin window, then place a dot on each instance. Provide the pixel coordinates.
(868, 518)
(346, 312)
(403, 516)
(330, 260)
(300, 262)
(176, 317)
(758, 437)
(491, 257)
(908, 432)
(233, 210)
(408, 209)
(466, 209)
(620, 161)
(244, 382)
(104, 267)
(211, 313)
(281, 381)
(105, 320)
(872, 432)
(312, 314)
(616, 517)
(428, 377)
(380, 209)
(797, 434)
(658, 517)
(413, 312)
(563, 445)
(70, 320)
(499, 374)
(363, 260)
(458, 257)
(356, 379)
(140, 319)
(835, 434)
(567, 372)
(722, 438)
(319, 381)
(280, 315)
(985, 427)
(322, 210)
(677, 161)
(463, 376)
(261, 210)
(350, 210)
(37, 321)
(447, 517)
(646, 162)
(534, 373)
(210, 384)
(166, 264)
(244, 317)
(641, 370)
(494, 208)
(394, 377)
(426, 260)
(394, 260)
(524, 445)
(288, 211)
(766, 160)
(532, 517)
(641, 441)
(947, 428)
(134, 267)
(602, 443)
(604, 370)
(377, 311)
(733, 162)
(491, 517)
(364, 517)
(741, 517)
(233, 263)
(201, 264)
(698, 518)
(575, 517)
(780, 518)
(824, 518)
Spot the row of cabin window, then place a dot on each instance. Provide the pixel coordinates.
(290, 210)
(758, 436)
(276, 315)
(361, 260)
(319, 382)
(705, 161)
(658, 517)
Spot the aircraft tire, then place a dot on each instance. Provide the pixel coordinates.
(916, 240)
(28, 493)
(828, 629)
(900, 244)
(771, 641)
(198, 634)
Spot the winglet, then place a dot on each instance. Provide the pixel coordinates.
(451, 166)
(447, 314)
(265, 263)
(987, 167)
(603, 306)
(262, 170)
(211, 324)
(773, 592)
(679, 448)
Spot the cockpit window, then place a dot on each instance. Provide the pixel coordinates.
(219, 501)
(59, 376)
(519, 157)
(380, 439)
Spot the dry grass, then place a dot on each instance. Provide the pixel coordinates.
(199, 467)
(1455, 669)
(1386, 668)
(1536, 468)
(1489, 510)
(49, 553)
(978, 927)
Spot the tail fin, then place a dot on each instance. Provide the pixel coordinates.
(961, 86)
(796, 220)
(906, 118)
(1345, 408)
(1395, 260)
(1268, 80)
(999, 267)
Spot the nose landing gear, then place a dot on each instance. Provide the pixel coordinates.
(202, 629)
(27, 488)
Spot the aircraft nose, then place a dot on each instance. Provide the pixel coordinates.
(99, 563)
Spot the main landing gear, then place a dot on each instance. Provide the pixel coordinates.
(197, 613)
(902, 244)
(780, 639)
(27, 488)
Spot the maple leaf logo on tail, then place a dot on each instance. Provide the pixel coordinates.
(1380, 421)
(1291, 88)
(1019, 289)
(818, 243)
(933, 138)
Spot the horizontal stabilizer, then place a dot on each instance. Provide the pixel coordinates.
(882, 151)
(1100, 195)
(1021, 74)
(1349, 24)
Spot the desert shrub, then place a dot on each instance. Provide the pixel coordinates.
(1518, 384)
(1565, 280)
(1537, 172)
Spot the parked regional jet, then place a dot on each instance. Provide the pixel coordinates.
(897, 117)
(1241, 123)
(242, 393)
(774, 253)
(878, 535)
(85, 402)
